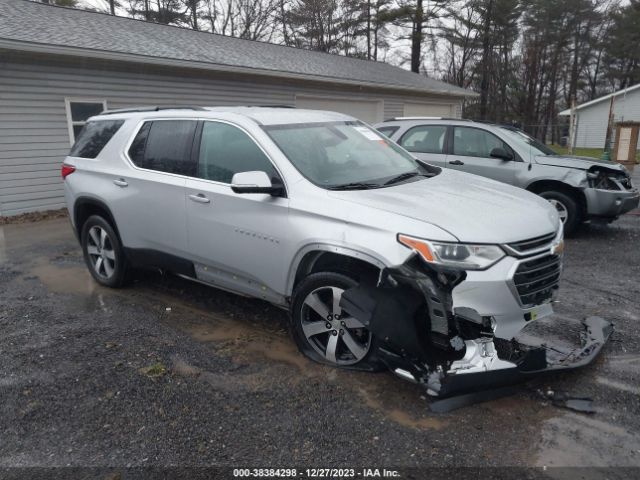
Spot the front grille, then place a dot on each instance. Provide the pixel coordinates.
(533, 243)
(537, 279)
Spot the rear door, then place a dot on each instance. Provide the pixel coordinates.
(148, 203)
(237, 240)
(470, 149)
(427, 143)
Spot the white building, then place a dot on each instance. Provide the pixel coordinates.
(593, 116)
(59, 66)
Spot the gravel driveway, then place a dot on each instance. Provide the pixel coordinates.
(168, 372)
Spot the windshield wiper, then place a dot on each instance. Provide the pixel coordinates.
(404, 176)
(354, 186)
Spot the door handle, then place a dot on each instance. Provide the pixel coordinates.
(456, 162)
(200, 198)
(121, 182)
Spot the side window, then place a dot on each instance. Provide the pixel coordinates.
(226, 150)
(425, 139)
(165, 146)
(473, 142)
(78, 111)
(93, 137)
(388, 131)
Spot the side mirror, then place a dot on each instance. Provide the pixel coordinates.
(254, 182)
(501, 153)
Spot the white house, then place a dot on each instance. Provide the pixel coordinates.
(59, 66)
(593, 116)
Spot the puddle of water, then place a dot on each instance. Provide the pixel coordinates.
(577, 440)
(401, 417)
(30, 235)
(251, 340)
(624, 387)
(67, 279)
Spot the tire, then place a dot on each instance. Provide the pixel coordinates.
(338, 342)
(567, 207)
(103, 253)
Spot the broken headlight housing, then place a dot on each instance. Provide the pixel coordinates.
(460, 255)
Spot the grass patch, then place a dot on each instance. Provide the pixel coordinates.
(585, 152)
(155, 370)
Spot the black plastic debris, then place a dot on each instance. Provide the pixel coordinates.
(453, 403)
(580, 404)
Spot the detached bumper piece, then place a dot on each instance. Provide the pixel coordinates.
(453, 351)
(532, 356)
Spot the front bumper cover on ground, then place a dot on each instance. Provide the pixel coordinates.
(452, 350)
(539, 356)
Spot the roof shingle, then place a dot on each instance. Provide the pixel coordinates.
(34, 23)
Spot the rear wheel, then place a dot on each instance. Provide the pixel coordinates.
(323, 331)
(103, 252)
(567, 208)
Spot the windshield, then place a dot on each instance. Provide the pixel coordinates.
(343, 154)
(535, 146)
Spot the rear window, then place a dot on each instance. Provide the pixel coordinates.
(165, 146)
(93, 137)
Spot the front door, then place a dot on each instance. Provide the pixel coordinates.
(427, 143)
(237, 240)
(470, 152)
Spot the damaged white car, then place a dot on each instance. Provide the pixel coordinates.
(382, 260)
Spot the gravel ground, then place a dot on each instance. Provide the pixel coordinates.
(168, 372)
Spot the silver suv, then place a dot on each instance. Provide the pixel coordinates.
(580, 188)
(381, 260)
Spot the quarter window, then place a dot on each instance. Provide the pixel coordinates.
(473, 142)
(79, 111)
(388, 131)
(165, 146)
(425, 139)
(226, 150)
(93, 137)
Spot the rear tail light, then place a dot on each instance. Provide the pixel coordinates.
(67, 170)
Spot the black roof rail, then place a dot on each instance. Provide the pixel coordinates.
(151, 109)
(275, 106)
(412, 118)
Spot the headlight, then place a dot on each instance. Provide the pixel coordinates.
(461, 255)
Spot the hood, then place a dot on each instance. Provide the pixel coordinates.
(471, 208)
(582, 163)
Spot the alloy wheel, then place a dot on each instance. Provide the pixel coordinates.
(563, 212)
(332, 332)
(101, 252)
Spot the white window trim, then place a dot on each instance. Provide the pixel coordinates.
(67, 107)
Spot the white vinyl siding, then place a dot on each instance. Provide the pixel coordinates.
(34, 128)
(428, 110)
(367, 111)
(592, 120)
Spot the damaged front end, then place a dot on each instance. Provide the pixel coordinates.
(453, 349)
(609, 193)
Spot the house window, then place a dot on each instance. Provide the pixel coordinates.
(78, 111)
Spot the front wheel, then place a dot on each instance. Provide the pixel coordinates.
(323, 331)
(567, 208)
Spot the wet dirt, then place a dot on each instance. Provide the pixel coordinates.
(232, 376)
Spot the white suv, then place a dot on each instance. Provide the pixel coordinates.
(380, 259)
